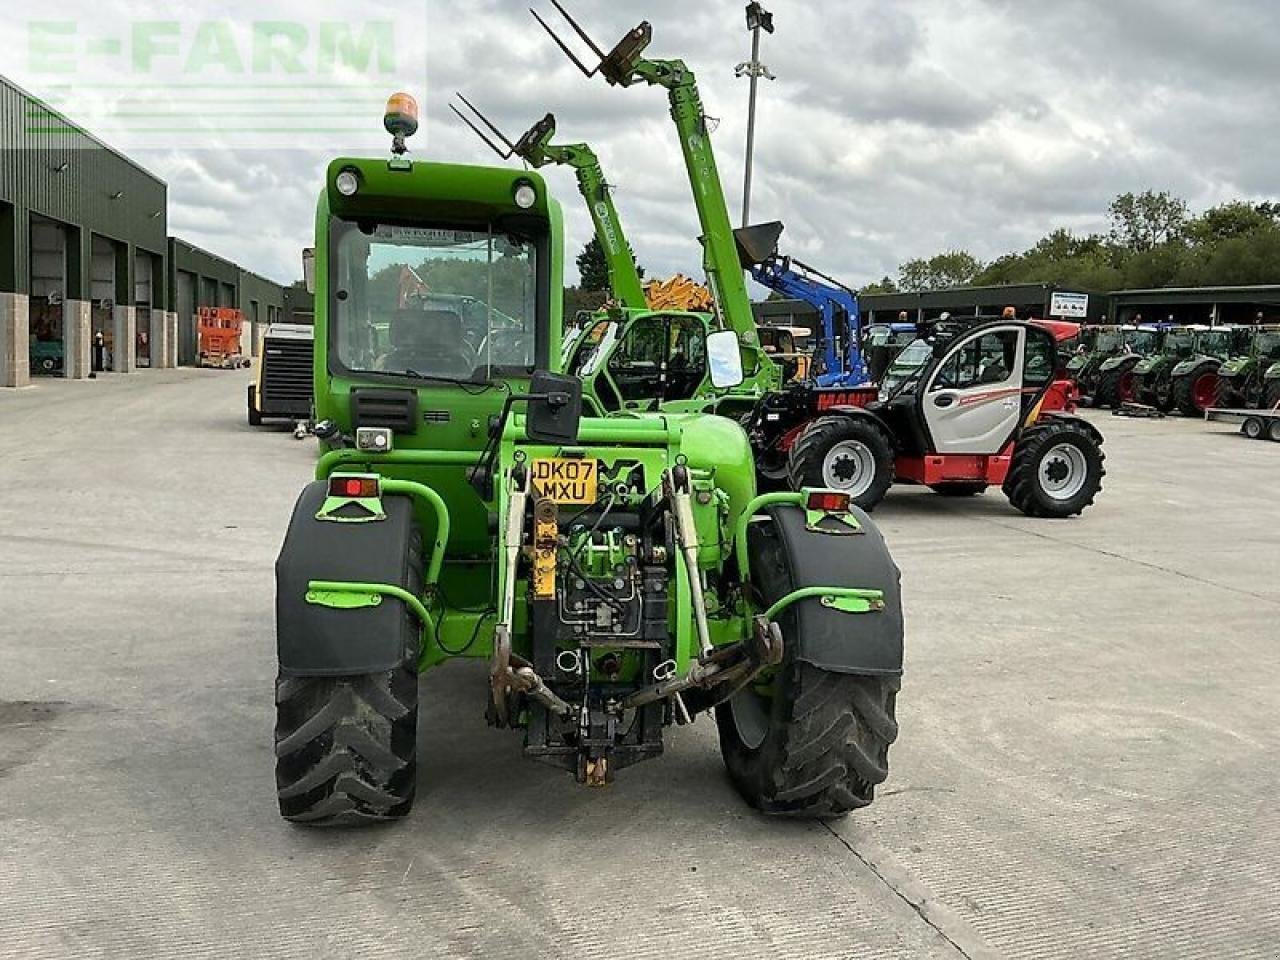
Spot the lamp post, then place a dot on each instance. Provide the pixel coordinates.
(758, 18)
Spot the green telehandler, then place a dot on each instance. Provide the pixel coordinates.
(619, 574)
(631, 357)
(1244, 379)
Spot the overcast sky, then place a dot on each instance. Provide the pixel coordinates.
(893, 130)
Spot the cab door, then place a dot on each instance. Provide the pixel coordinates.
(972, 399)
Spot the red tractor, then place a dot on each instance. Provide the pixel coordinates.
(985, 407)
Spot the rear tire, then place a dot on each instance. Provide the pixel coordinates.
(1112, 384)
(958, 489)
(1227, 396)
(1274, 432)
(255, 417)
(852, 454)
(1253, 428)
(1057, 470)
(818, 746)
(346, 747)
(1273, 395)
(1192, 393)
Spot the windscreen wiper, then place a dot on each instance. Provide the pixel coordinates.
(435, 378)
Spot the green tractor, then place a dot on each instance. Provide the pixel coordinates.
(619, 574)
(1096, 345)
(1271, 387)
(1194, 380)
(1116, 380)
(1153, 374)
(1251, 378)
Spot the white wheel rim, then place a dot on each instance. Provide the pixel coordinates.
(849, 466)
(1063, 471)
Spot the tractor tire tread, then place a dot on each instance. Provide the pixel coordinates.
(1107, 393)
(345, 746)
(804, 461)
(1183, 392)
(832, 745)
(1021, 483)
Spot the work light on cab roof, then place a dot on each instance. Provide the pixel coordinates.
(401, 120)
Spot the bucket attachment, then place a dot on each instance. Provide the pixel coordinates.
(757, 243)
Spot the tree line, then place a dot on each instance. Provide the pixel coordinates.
(1153, 241)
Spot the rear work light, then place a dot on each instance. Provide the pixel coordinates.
(827, 501)
(361, 488)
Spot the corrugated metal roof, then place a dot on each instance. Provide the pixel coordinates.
(82, 131)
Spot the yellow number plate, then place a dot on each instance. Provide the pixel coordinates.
(564, 480)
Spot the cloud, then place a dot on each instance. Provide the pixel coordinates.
(892, 130)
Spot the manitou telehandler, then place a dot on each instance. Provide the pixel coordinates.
(619, 574)
(959, 415)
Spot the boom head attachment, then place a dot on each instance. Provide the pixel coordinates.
(531, 146)
(618, 66)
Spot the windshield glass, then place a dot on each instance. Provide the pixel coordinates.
(1216, 343)
(1108, 341)
(906, 367)
(1269, 344)
(1143, 341)
(433, 302)
(1178, 341)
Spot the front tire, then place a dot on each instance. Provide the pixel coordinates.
(1056, 472)
(346, 747)
(850, 454)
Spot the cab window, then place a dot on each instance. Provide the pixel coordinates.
(660, 358)
(985, 360)
(584, 350)
(1040, 358)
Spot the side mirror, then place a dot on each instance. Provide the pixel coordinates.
(555, 408)
(309, 268)
(724, 359)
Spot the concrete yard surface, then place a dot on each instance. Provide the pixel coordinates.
(1088, 763)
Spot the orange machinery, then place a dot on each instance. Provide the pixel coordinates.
(219, 329)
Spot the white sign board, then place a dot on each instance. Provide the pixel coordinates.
(1072, 306)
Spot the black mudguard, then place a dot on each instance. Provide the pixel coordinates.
(1080, 422)
(856, 643)
(320, 641)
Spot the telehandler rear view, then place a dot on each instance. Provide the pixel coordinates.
(619, 574)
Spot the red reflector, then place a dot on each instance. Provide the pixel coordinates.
(828, 501)
(363, 487)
